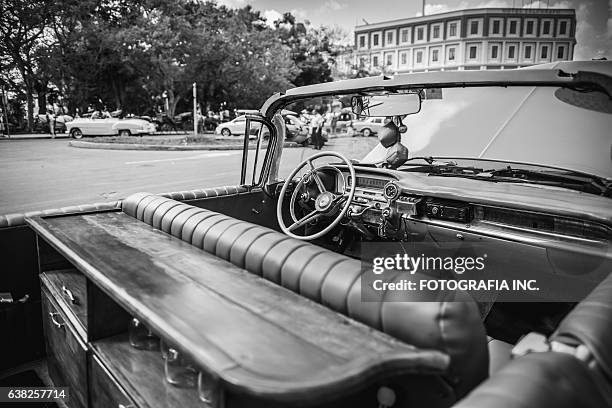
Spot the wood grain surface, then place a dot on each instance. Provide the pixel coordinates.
(258, 337)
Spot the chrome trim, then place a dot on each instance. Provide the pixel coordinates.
(524, 238)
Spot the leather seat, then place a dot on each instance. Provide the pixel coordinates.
(542, 380)
(500, 354)
(17, 219)
(588, 330)
(328, 278)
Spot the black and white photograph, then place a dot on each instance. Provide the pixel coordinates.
(306, 204)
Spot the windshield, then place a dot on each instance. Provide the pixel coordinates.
(541, 126)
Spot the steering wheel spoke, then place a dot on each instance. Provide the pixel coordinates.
(312, 216)
(315, 176)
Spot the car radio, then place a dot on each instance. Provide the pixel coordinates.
(448, 210)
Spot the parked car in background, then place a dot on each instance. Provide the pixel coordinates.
(108, 126)
(42, 125)
(369, 126)
(234, 127)
(297, 131)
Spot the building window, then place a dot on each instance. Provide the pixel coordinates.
(420, 33)
(544, 52)
(361, 42)
(404, 36)
(452, 29)
(496, 27)
(473, 52)
(561, 52)
(389, 59)
(546, 27)
(494, 52)
(451, 54)
(562, 27)
(436, 31)
(511, 52)
(390, 39)
(375, 60)
(403, 58)
(528, 52)
(419, 57)
(512, 28)
(375, 40)
(434, 56)
(529, 27)
(474, 28)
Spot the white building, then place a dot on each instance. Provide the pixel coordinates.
(491, 38)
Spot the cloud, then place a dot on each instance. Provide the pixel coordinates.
(301, 14)
(271, 16)
(234, 3)
(437, 8)
(592, 42)
(333, 5)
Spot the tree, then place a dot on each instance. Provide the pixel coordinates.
(310, 49)
(24, 31)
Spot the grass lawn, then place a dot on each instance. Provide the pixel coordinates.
(176, 140)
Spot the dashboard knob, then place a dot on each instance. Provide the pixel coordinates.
(435, 210)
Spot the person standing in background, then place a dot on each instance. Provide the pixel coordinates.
(51, 122)
(317, 127)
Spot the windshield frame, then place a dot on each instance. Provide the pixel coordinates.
(441, 79)
(578, 79)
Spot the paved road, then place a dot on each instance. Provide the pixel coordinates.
(43, 174)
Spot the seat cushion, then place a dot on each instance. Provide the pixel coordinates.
(542, 380)
(590, 324)
(327, 278)
(500, 354)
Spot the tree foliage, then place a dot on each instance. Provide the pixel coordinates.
(130, 54)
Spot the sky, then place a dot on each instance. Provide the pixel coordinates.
(593, 33)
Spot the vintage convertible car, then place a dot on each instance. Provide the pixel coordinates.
(101, 126)
(270, 293)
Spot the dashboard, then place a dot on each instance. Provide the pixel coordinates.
(384, 202)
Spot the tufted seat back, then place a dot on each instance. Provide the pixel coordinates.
(327, 278)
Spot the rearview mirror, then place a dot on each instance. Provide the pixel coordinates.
(386, 105)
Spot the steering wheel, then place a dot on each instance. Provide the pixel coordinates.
(325, 204)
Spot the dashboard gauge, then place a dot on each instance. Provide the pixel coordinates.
(391, 191)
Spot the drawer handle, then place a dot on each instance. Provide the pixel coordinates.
(55, 322)
(69, 295)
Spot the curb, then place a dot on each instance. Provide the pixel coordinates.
(129, 146)
(31, 137)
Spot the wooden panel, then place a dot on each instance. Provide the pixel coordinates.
(68, 287)
(104, 391)
(66, 354)
(48, 258)
(106, 317)
(141, 373)
(238, 325)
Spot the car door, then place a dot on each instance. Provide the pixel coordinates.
(87, 126)
(238, 125)
(377, 124)
(106, 126)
